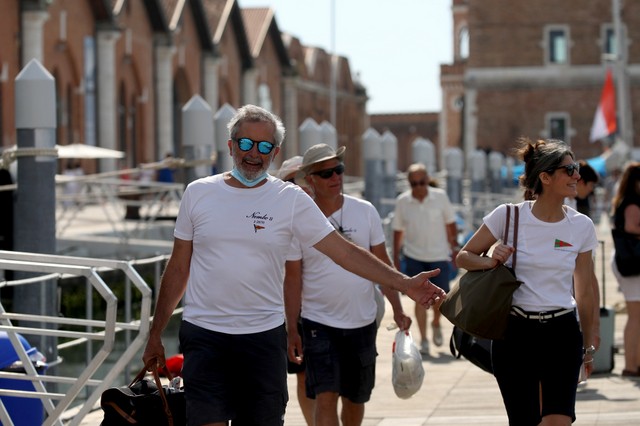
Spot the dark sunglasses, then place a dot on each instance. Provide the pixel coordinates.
(570, 168)
(327, 173)
(418, 183)
(246, 144)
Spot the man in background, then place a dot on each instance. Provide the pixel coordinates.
(425, 232)
(589, 178)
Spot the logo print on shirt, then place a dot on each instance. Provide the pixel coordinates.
(560, 243)
(259, 220)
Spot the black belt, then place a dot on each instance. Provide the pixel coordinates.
(543, 316)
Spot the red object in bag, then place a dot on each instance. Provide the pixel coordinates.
(174, 366)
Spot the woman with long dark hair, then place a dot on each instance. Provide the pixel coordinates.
(625, 207)
(538, 363)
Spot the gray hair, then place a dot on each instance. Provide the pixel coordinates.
(256, 114)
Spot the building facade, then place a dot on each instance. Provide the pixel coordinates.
(124, 70)
(537, 69)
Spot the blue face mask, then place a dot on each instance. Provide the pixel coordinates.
(246, 182)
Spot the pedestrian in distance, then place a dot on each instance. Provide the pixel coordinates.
(626, 218)
(231, 238)
(537, 365)
(338, 308)
(585, 186)
(425, 233)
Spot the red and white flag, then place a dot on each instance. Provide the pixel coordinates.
(604, 123)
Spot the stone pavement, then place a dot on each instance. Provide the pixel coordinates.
(457, 393)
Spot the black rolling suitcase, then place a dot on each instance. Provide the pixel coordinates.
(603, 360)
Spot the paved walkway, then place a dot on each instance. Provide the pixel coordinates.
(456, 393)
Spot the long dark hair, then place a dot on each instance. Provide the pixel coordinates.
(540, 156)
(628, 185)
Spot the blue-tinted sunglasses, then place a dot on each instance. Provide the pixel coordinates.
(246, 144)
(571, 168)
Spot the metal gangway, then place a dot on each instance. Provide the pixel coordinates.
(98, 334)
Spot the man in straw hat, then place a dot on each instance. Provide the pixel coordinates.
(338, 308)
(231, 238)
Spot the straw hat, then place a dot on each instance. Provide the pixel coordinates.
(319, 153)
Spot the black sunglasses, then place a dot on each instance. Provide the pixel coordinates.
(570, 168)
(327, 173)
(418, 183)
(246, 144)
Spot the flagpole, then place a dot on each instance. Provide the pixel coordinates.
(333, 63)
(622, 78)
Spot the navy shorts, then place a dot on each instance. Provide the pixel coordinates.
(414, 267)
(237, 377)
(534, 355)
(340, 360)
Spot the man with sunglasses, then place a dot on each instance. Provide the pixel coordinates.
(232, 235)
(424, 230)
(338, 308)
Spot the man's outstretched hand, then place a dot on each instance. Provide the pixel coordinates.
(423, 291)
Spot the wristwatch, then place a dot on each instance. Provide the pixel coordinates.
(590, 350)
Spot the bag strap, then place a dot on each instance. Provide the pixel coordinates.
(153, 367)
(516, 219)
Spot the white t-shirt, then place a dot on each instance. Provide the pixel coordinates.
(547, 255)
(240, 241)
(332, 295)
(424, 225)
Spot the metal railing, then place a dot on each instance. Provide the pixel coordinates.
(101, 330)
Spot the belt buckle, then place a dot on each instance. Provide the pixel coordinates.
(541, 317)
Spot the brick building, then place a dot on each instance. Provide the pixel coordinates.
(124, 69)
(534, 69)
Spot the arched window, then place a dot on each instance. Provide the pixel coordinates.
(463, 43)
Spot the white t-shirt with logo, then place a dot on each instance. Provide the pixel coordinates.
(240, 241)
(547, 255)
(332, 295)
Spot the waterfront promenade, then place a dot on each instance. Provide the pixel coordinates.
(456, 393)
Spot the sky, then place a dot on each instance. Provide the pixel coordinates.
(396, 46)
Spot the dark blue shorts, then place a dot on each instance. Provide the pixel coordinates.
(414, 267)
(535, 355)
(242, 377)
(340, 360)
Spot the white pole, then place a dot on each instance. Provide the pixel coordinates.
(622, 77)
(334, 64)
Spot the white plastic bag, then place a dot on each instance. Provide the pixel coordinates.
(407, 371)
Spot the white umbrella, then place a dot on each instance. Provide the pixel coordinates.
(80, 150)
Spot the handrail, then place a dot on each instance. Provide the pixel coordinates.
(89, 268)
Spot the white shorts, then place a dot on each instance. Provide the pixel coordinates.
(629, 286)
